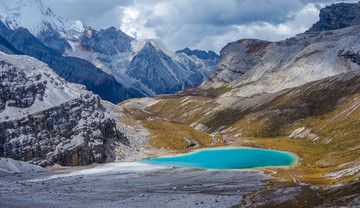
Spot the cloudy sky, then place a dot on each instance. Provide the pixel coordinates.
(202, 24)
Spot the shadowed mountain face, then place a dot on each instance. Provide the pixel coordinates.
(6, 47)
(70, 68)
(110, 41)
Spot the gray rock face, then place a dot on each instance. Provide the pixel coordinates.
(18, 90)
(165, 72)
(352, 53)
(338, 16)
(74, 133)
(238, 58)
(45, 120)
(110, 41)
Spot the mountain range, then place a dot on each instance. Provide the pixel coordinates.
(300, 95)
(122, 63)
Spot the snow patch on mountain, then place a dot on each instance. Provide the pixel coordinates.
(38, 18)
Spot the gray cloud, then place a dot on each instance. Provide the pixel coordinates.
(196, 24)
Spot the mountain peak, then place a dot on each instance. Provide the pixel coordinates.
(54, 31)
(199, 53)
(338, 16)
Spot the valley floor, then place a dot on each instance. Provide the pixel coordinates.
(129, 185)
(141, 185)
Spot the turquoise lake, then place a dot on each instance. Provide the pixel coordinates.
(240, 158)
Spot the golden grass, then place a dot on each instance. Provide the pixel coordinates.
(341, 127)
(165, 134)
(183, 110)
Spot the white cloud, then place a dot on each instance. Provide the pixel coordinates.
(134, 24)
(300, 22)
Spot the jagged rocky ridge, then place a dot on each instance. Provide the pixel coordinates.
(45, 120)
(146, 66)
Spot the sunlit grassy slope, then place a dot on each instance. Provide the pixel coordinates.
(327, 111)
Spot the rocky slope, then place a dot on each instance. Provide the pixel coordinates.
(45, 120)
(250, 67)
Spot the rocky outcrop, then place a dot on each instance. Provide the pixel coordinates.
(18, 90)
(351, 53)
(45, 120)
(78, 132)
(337, 16)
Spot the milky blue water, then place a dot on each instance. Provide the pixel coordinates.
(227, 159)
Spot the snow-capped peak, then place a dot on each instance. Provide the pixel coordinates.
(16, 13)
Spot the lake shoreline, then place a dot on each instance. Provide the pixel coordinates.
(294, 157)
